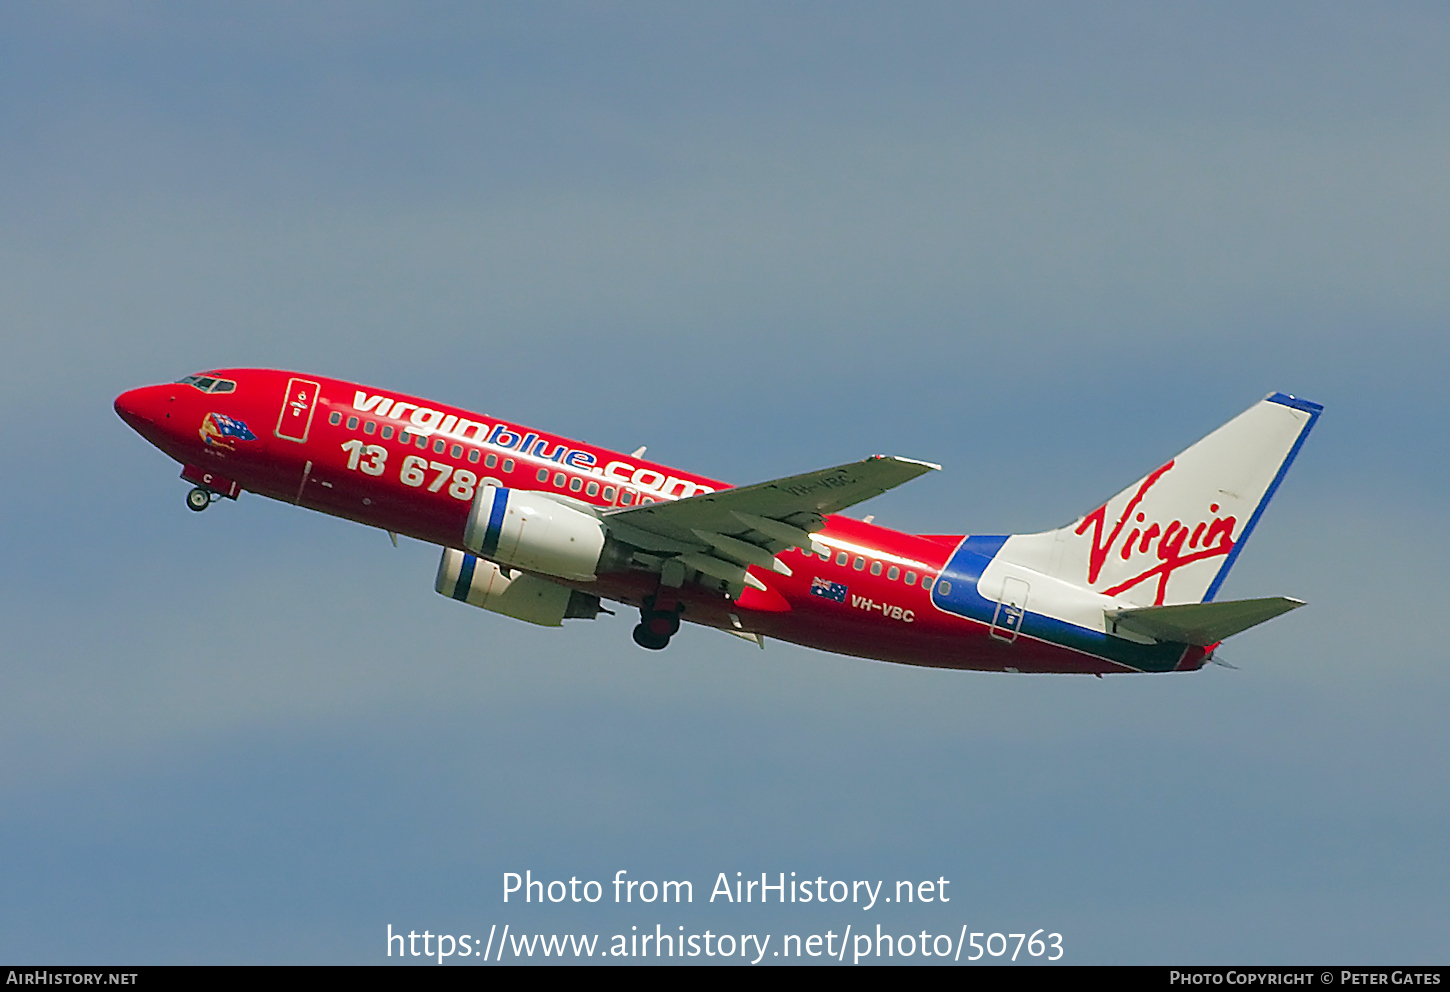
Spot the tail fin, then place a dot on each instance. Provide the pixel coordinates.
(1173, 535)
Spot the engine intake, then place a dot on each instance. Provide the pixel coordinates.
(536, 532)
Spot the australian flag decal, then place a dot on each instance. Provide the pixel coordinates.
(826, 589)
(224, 432)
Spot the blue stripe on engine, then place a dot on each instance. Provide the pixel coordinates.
(494, 530)
(465, 578)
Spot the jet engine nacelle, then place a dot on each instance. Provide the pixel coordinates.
(534, 531)
(522, 596)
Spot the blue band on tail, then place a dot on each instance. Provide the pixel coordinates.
(1284, 399)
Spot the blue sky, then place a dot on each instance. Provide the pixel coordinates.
(1045, 248)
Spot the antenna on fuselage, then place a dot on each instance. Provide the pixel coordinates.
(638, 452)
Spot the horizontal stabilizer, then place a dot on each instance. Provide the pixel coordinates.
(1201, 624)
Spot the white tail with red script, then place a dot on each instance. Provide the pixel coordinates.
(1172, 536)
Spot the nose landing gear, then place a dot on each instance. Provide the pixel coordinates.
(209, 487)
(656, 626)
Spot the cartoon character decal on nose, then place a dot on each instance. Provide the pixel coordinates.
(219, 431)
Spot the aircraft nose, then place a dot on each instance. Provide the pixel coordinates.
(139, 407)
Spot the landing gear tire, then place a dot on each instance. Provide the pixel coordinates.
(664, 625)
(198, 499)
(647, 638)
(656, 627)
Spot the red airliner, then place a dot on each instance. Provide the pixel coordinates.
(544, 529)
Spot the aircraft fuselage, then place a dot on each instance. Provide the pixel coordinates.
(413, 466)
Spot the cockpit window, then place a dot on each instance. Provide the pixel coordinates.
(208, 384)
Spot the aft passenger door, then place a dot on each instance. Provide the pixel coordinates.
(1011, 608)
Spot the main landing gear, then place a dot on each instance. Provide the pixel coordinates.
(656, 626)
(199, 499)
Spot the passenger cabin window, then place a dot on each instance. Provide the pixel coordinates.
(911, 578)
(626, 498)
(543, 475)
(439, 445)
(859, 563)
(404, 437)
(575, 485)
(421, 442)
(352, 423)
(473, 455)
(841, 557)
(387, 431)
(926, 583)
(456, 451)
(593, 489)
(559, 479)
(875, 568)
(825, 554)
(370, 428)
(508, 464)
(609, 494)
(489, 461)
(335, 418)
(893, 573)
(944, 587)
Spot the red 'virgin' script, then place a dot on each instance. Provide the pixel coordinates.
(1169, 550)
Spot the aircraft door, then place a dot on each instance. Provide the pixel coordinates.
(295, 420)
(1011, 608)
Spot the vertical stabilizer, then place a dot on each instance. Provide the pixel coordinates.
(1172, 536)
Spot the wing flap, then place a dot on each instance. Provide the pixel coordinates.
(1200, 624)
